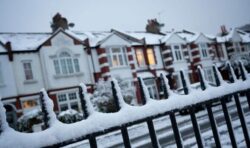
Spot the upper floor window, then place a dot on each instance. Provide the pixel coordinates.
(1, 75)
(151, 57)
(117, 57)
(140, 57)
(237, 47)
(177, 52)
(28, 70)
(203, 49)
(65, 64)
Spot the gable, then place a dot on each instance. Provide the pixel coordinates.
(235, 37)
(175, 39)
(114, 40)
(202, 39)
(62, 39)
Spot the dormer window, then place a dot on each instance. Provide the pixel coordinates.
(65, 64)
(203, 50)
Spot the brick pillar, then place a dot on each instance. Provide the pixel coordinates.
(103, 62)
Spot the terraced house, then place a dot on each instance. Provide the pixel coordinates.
(60, 60)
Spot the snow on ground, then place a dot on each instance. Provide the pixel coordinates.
(114, 139)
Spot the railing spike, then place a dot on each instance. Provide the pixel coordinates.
(47, 105)
(243, 71)
(203, 82)
(184, 83)
(165, 86)
(232, 76)
(3, 120)
(116, 91)
(145, 97)
(87, 106)
(217, 75)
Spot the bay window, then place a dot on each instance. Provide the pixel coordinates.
(151, 57)
(117, 56)
(140, 57)
(68, 101)
(65, 64)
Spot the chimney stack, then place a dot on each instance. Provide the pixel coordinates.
(223, 30)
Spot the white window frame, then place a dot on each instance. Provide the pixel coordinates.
(152, 88)
(203, 47)
(68, 102)
(209, 76)
(66, 64)
(121, 57)
(28, 70)
(177, 53)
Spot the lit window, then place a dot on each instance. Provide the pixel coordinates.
(140, 58)
(203, 49)
(28, 71)
(65, 64)
(68, 101)
(1, 75)
(29, 104)
(117, 57)
(151, 57)
(176, 50)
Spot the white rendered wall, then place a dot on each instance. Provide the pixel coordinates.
(62, 42)
(8, 88)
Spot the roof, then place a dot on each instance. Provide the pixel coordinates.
(191, 36)
(150, 38)
(226, 38)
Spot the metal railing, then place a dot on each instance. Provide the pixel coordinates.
(151, 109)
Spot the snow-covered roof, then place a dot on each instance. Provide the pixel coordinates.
(25, 41)
(245, 37)
(145, 75)
(150, 38)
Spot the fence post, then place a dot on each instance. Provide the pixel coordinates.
(3, 119)
(227, 116)
(87, 110)
(118, 104)
(145, 98)
(239, 108)
(163, 86)
(184, 83)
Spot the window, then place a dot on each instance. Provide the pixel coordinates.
(68, 101)
(65, 64)
(209, 74)
(29, 104)
(152, 89)
(1, 75)
(151, 57)
(140, 58)
(237, 47)
(117, 57)
(27, 70)
(177, 53)
(203, 49)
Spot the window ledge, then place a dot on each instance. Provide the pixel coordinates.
(29, 81)
(180, 61)
(68, 75)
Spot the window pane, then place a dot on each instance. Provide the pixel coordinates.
(125, 56)
(140, 57)
(151, 58)
(64, 67)
(28, 71)
(62, 98)
(56, 65)
(63, 107)
(70, 66)
(121, 59)
(74, 106)
(116, 50)
(29, 104)
(115, 61)
(72, 96)
(64, 54)
(76, 63)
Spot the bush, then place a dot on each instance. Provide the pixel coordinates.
(70, 116)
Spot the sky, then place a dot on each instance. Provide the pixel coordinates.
(127, 15)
